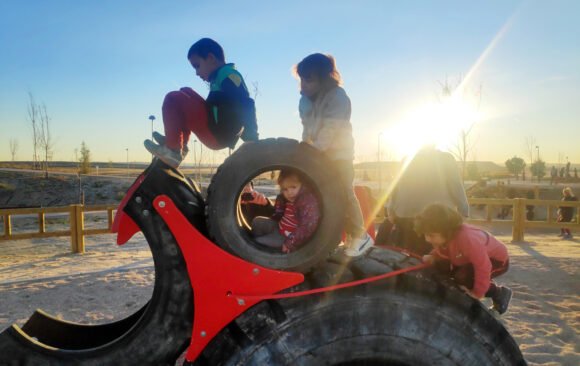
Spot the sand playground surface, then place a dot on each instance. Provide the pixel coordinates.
(110, 282)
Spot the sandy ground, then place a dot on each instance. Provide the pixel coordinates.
(110, 282)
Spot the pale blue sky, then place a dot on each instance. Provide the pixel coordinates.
(102, 67)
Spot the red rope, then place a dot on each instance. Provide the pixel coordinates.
(340, 286)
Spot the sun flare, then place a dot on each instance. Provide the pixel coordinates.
(436, 123)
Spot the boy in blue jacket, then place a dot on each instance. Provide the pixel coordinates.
(219, 121)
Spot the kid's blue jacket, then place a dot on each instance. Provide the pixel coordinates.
(231, 110)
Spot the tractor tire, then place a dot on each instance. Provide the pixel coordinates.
(155, 335)
(410, 319)
(227, 228)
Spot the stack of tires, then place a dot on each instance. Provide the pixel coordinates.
(410, 319)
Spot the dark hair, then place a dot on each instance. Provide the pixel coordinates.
(320, 66)
(204, 47)
(287, 173)
(438, 218)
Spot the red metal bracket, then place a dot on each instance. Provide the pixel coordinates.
(123, 224)
(215, 275)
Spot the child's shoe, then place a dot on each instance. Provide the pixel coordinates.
(501, 300)
(359, 246)
(169, 156)
(161, 140)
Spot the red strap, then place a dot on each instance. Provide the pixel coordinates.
(342, 285)
(330, 288)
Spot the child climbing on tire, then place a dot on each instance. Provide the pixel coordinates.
(219, 121)
(295, 217)
(325, 112)
(468, 254)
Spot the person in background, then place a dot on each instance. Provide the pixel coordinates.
(431, 176)
(565, 213)
(553, 174)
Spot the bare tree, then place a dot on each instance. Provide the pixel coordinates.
(255, 89)
(561, 157)
(13, 148)
(530, 144)
(45, 141)
(34, 118)
(464, 144)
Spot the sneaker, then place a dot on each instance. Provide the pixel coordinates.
(561, 234)
(567, 236)
(359, 246)
(161, 140)
(501, 301)
(169, 156)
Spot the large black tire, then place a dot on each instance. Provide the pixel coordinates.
(226, 227)
(156, 334)
(404, 320)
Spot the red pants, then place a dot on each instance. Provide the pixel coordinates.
(184, 112)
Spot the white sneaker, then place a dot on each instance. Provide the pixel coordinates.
(359, 246)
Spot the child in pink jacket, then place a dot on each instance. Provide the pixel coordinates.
(472, 255)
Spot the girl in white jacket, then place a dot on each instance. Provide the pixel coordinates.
(325, 112)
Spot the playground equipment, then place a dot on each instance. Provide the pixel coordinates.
(317, 307)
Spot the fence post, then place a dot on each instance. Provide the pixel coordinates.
(110, 219)
(76, 229)
(518, 228)
(41, 226)
(7, 226)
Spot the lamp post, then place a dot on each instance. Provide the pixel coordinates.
(152, 118)
(379, 162)
(538, 164)
(127, 149)
(195, 162)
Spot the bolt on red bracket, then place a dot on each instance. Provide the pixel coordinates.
(215, 275)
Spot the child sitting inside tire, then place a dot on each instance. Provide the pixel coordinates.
(295, 216)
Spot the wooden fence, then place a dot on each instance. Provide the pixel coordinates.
(77, 230)
(519, 222)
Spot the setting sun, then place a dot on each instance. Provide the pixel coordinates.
(437, 123)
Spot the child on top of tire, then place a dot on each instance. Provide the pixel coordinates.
(325, 112)
(219, 121)
(468, 254)
(295, 217)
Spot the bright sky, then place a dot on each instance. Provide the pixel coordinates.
(102, 68)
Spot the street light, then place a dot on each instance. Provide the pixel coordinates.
(195, 163)
(152, 118)
(538, 164)
(127, 149)
(379, 161)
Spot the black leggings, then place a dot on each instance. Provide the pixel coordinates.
(465, 275)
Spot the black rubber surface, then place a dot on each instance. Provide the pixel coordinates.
(156, 334)
(404, 320)
(229, 232)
